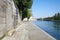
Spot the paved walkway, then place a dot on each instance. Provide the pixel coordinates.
(29, 31)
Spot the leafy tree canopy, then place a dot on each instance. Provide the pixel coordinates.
(23, 5)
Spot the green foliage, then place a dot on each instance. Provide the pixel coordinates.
(28, 13)
(16, 2)
(23, 5)
(57, 16)
(48, 19)
(24, 14)
(27, 3)
(39, 18)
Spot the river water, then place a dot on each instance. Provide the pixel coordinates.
(51, 27)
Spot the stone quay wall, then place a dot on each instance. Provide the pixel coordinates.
(9, 16)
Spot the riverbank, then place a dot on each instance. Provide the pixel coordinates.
(29, 31)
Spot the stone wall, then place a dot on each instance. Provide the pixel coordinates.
(9, 16)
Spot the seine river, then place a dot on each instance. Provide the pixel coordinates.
(51, 27)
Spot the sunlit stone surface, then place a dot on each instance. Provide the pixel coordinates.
(9, 16)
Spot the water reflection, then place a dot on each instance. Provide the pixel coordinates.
(57, 25)
(51, 27)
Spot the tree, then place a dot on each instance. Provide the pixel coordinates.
(57, 16)
(23, 5)
(29, 14)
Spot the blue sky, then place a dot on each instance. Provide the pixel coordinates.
(45, 8)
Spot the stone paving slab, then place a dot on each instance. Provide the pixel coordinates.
(29, 31)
